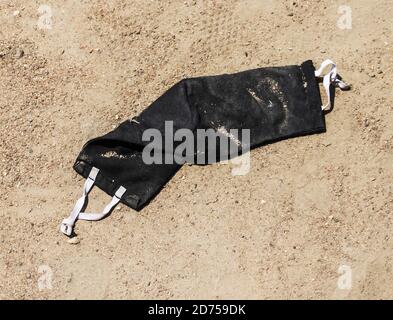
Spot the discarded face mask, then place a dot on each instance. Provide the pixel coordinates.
(269, 104)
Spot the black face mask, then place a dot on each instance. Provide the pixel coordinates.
(272, 103)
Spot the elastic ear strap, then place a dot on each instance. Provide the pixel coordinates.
(67, 224)
(328, 78)
(98, 216)
(327, 62)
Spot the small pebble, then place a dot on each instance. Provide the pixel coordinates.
(16, 13)
(366, 123)
(19, 53)
(74, 240)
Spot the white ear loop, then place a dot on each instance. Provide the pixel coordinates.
(328, 79)
(67, 224)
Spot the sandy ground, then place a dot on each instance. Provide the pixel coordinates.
(311, 211)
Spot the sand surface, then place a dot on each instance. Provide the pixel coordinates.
(311, 209)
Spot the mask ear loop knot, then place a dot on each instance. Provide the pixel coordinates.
(331, 78)
(67, 224)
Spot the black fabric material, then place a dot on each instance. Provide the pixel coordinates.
(274, 103)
